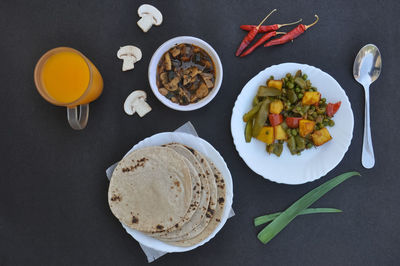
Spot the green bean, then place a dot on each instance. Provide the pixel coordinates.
(300, 82)
(298, 73)
(264, 91)
(292, 96)
(248, 130)
(255, 101)
(261, 117)
(270, 148)
(291, 143)
(250, 114)
(278, 148)
(300, 143)
(308, 83)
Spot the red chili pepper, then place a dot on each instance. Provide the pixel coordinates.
(275, 119)
(267, 28)
(332, 108)
(293, 122)
(293, 34)
(251, 35)
(262, 40)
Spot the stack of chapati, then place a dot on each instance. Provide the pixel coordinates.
(170, 192)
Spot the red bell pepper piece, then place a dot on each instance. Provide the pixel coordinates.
(332, 108)
(275, 119)
(293, 122)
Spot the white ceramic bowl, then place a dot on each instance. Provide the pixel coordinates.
(165, 47)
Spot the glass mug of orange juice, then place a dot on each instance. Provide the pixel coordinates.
(65, 77)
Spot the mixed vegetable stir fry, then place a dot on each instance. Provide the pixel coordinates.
(290, 110)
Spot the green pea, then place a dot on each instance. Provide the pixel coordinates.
(271, 77)
(294, 132)
(290, 85)
(314, 115)
(326, 120)
(325, 123)
(331, 123)
(288, 75)
(305, 76)
(323, 100)
(309, 145)
(300, 95)
(297, 89)
(289, 132)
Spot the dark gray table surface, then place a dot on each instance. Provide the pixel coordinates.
(53, 189)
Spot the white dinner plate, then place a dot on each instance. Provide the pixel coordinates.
(211, 153)
(311, 164)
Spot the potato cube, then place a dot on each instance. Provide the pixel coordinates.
(276, 107)
(311, 98)
(277, 84)
(306, 127)
(266, 135)
(321, 136)
(280, 133)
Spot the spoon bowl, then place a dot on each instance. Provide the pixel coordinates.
(366, 69)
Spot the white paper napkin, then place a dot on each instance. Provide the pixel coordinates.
(153, 254)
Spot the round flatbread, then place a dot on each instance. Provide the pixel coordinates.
(194, 204)
(216, 218)
(201, 211)
(151, 189)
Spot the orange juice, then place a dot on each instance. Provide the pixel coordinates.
(68, 78)
(65, 76)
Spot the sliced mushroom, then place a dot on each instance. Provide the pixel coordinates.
(173, 84)
(202, 91)
(136, 102)
(164, 78)
(167, 62)
(207, 79)
(149, 16)
(130, 54)
(175, 52)
(189, 74)
(163, 91)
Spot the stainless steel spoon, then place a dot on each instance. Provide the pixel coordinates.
(366, 69)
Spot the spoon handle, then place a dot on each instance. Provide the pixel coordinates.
(367, 156)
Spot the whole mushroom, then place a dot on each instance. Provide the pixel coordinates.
(130, 54)
(149, 16)
(136, 102)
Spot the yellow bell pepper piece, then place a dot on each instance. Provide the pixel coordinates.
(306, 127)
(277, 84)
(276, 107)
(266, 135)
(279, 133)
(321, 136)
(311, 98)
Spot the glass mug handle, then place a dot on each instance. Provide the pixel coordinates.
(76, 121)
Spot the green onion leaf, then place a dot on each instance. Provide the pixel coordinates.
(269, 217)
(271, 230)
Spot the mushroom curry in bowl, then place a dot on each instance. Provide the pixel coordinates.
(185, 74)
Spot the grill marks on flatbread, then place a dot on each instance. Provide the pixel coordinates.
(185, 223)
(151, 189)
